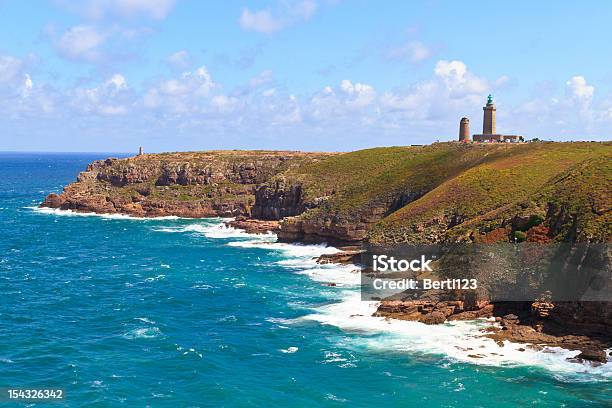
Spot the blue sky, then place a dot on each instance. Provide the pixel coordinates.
(111, 75)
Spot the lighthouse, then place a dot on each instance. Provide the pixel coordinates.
(464, 130)
(488, 121)
(489, 132)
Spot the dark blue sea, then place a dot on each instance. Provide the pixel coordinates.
(184, 313)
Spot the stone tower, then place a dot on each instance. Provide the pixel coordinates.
(488, 123)
(464, 130)
(140, 151)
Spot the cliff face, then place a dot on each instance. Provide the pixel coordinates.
(203, 184)
(445, 192)
(429, 194)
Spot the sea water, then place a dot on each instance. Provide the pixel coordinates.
(121, 311)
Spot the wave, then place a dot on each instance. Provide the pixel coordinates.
(144, 320)
(303, 251)
(143, 333)
(109, 216)
(460, 341)
(216, 228)
(340, 275)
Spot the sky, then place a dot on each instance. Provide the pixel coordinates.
(318, 75)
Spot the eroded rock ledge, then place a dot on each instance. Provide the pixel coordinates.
(583, 326)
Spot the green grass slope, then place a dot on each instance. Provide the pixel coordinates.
(566, 186)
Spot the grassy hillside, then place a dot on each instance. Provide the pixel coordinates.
(449, 190)
(531, 181)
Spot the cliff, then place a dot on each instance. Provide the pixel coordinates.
(423, 194)
(441, 193)
(200, 184)
(445, 192)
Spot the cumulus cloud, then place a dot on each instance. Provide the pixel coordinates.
(100, 9)
(10, 68)
(414, 51)
(286, 14)
(115, 22)
(458, 79)
(578, 88)
(347, 113)
(81, 42)
(182, 94)
(110, 98)
(180, 59)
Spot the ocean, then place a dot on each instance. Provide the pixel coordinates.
(122, 311)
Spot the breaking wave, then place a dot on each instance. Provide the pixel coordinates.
(72, 213)
(460, 341)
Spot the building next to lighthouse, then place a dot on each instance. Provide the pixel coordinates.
(489, 131)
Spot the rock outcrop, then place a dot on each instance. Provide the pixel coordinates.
(206, 184)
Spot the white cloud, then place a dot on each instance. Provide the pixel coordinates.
(261, 21)
(577, 88)
(415, 51)
(180, 59)
(99, 9)
(346, 114)
(266, 21)
(223, 103)
(28, 84)
(459, 80)
(117, 82)
(269, 92)
(183, 94)
(81, 42)
(359, 94)
(111, 98)
(10, 68)
(263, 78)
(502, 81)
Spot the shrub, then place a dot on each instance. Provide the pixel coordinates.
(520, 236)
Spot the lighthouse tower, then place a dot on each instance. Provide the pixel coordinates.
(464, 130)
(488, 122)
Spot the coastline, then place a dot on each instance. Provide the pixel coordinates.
(421, 196)
(463, 341)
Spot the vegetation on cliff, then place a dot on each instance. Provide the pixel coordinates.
(564, 187)
(447, 192)
(441, 192)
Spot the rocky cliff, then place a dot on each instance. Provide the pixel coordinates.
(206, 184)
(445, 192)
(442, 193)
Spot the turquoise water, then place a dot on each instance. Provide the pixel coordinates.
(177, 312)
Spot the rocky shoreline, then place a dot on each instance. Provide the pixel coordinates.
(397, 195)
(253, 226)
(535, 324)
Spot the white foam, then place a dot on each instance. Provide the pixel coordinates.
(289, 350)
(460, 341)
(291, 250)
(340, 275)
(216, 228)
(113, 216)
(143, 333)
(144, 320)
